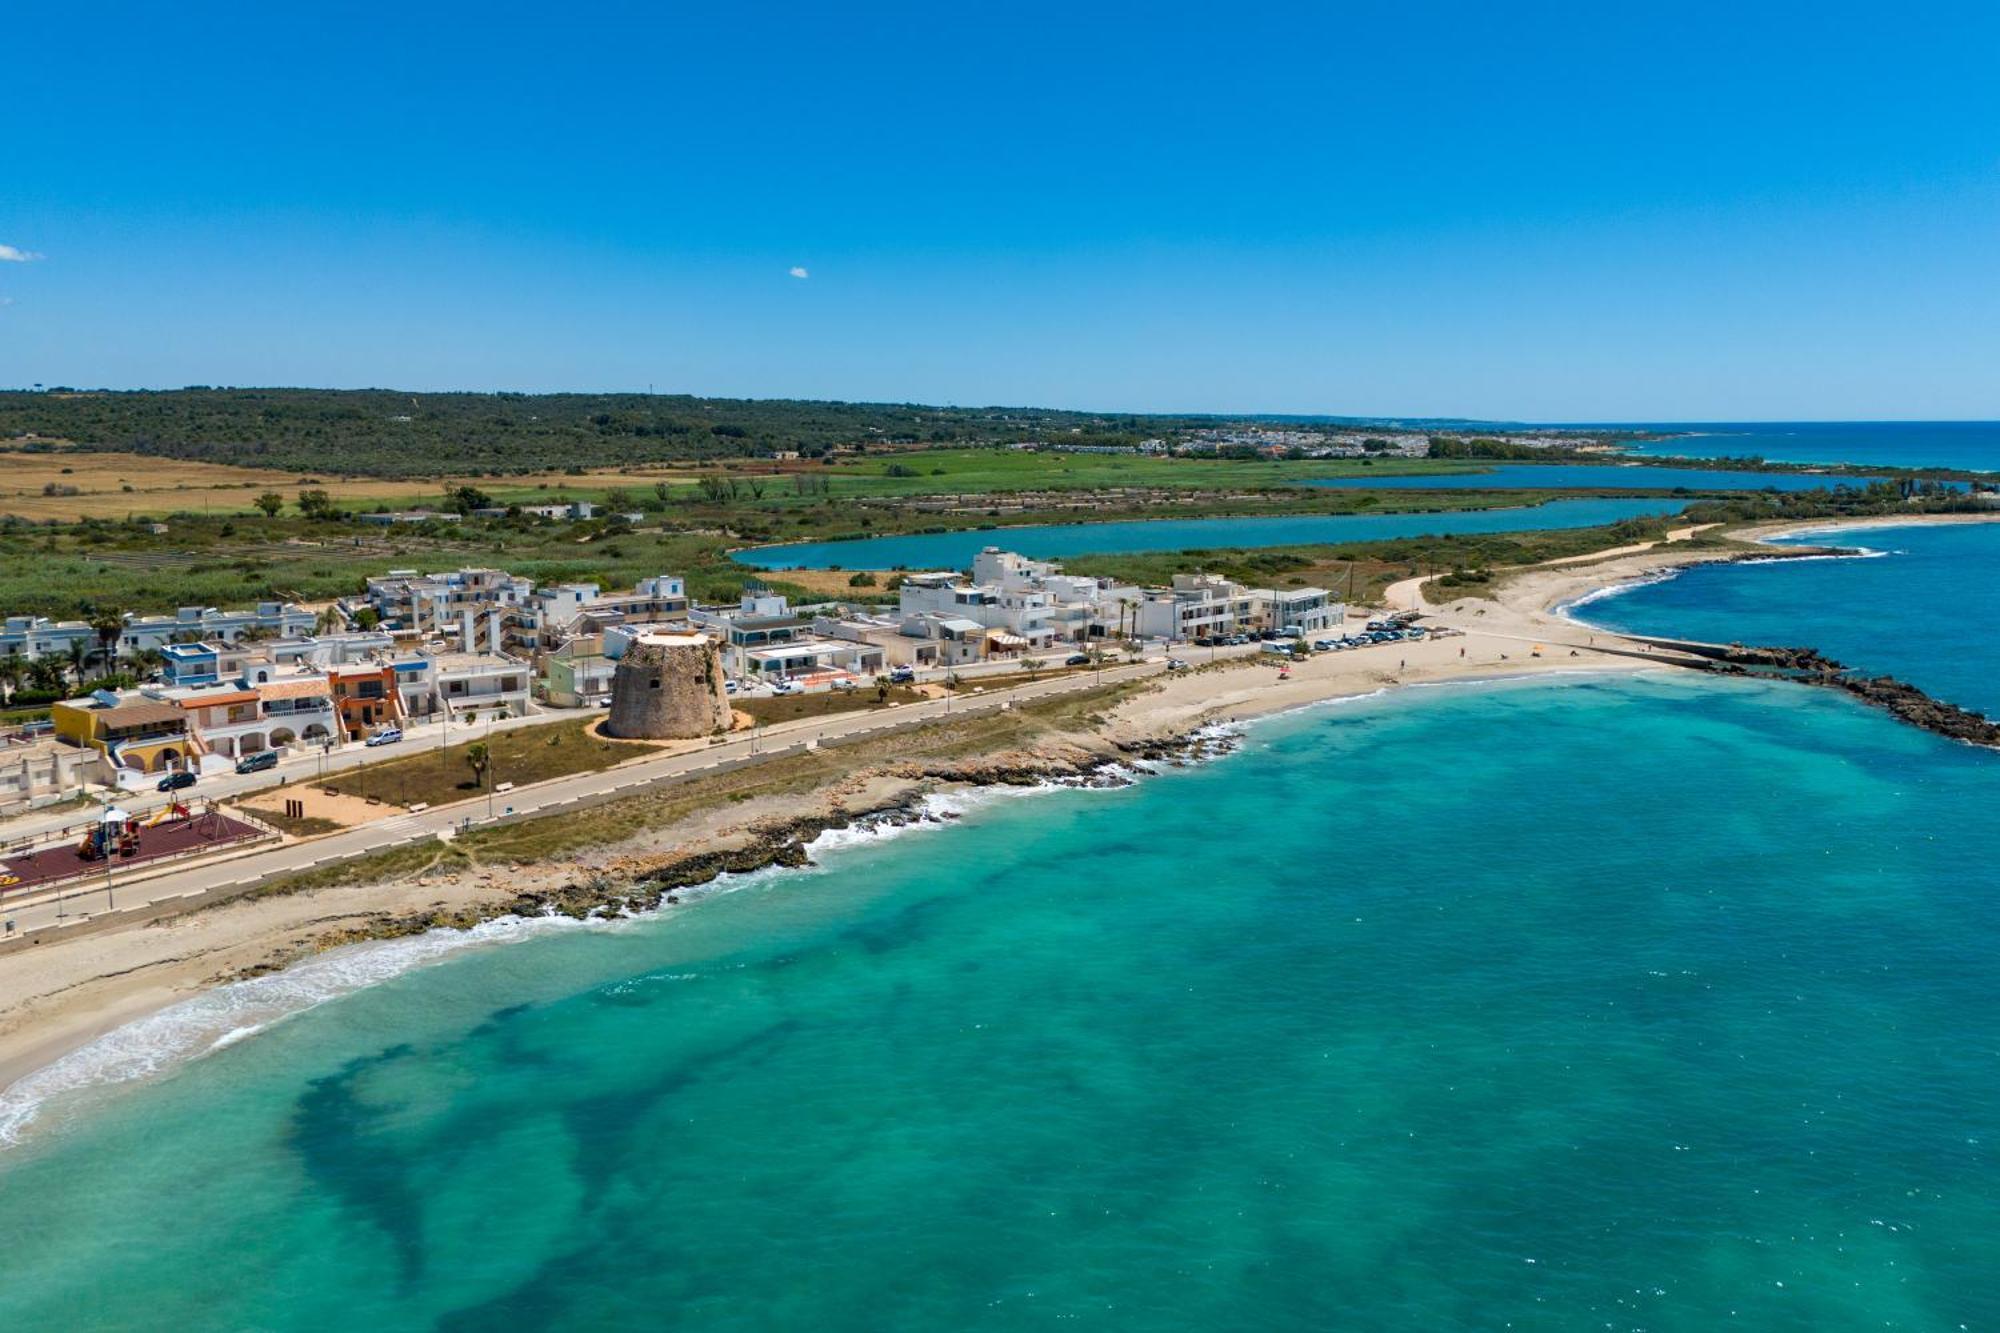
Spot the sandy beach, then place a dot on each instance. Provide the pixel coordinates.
(59, 997)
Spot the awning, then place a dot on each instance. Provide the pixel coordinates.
(1006, 640)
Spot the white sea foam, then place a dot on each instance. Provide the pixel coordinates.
(226, 1015)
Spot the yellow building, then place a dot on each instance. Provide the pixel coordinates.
(139, 733)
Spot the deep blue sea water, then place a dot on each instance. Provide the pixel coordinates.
(1655, 1003)
(1923, 605)
(1592, 476)
(1972, 446)
(955, 550)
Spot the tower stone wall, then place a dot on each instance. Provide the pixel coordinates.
(668, 685)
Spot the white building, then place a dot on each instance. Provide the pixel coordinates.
(480, 684)
(37, 636)
(1200, 606)
(410, 603)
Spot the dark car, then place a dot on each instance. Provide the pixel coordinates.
(1077, 659)
(176, 781)
(902, 675)
(257, 763)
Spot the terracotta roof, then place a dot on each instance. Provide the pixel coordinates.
(292, 689)
(205, 700)
(140, 714)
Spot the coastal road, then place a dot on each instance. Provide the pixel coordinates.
(313, 765)
(142, 897)
(297, 768)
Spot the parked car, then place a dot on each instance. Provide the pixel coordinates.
(786, 687)
(176, 781)
(846, 683)
(1282, 649)
(903, 675)
(729, 687)
(1077, 659)
(257, 763)
(1176, 664)
(388, 736)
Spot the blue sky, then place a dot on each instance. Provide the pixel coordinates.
(1553, 212)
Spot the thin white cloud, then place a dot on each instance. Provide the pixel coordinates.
(13, 254)
(798, 271)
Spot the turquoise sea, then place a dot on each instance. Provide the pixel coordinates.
(1972, 446)
(955, 550)
(1613, 1002)
(1591, 476)
(1920, 603)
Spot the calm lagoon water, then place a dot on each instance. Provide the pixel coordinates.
(1922, 606)
(1592, 476)
(1470, 1007)
(955, 550)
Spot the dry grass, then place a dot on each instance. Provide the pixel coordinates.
(521, 756)
(114, 485)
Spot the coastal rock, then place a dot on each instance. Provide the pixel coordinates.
(1900, 699)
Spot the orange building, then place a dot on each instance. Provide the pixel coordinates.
(366, 697)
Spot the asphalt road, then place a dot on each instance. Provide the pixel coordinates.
(138, 896)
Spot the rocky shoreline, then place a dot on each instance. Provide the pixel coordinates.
(657, 882)
(1898, 698)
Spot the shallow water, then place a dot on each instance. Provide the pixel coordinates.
(955, 550)
(1465, 1007)
(1923, 605)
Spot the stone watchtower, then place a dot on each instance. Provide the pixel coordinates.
(668, 685)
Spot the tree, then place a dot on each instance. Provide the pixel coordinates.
(1033, 666)
(78, 656)
(12, 668)
(315, 504)
(45, 674)
(270, 502)
(465, 499)
(881, 689)
(328, 621)
(479, 758)
(107, 627)
(863, 579)
(664, 491)
(367, 617)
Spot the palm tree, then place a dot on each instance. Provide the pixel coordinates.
(480, 759)
(12, 667)
(46, 674)
(107, 626)
(78, 656)
(329, 621)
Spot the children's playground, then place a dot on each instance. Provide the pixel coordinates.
(119, 840)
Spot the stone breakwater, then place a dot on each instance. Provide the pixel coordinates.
(1898, 698)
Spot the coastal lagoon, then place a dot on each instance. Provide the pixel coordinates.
(1591, 476)
(1920, 603)
(1466, 1006)
(1054, 541)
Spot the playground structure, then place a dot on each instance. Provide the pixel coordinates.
(118, 838)
(118, 834)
